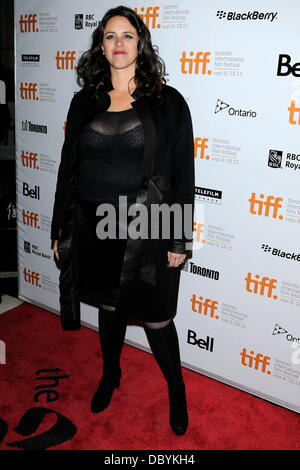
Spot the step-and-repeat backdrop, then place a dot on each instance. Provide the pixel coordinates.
(238, 66)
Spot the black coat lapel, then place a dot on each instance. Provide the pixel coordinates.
(143, 109)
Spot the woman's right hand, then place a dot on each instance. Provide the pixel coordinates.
(55, 249)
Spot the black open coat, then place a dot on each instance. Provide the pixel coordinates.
(168, 168)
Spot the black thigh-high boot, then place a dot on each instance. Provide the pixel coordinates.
(112, 330)
(165, 348)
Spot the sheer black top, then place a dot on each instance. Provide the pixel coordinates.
(111, 148)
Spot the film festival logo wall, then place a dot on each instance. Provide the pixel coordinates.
(269, 207)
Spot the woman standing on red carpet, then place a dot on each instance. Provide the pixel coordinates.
(127, 134)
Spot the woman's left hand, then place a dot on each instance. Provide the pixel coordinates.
(175, 259)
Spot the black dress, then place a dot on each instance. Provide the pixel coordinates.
(111, 154)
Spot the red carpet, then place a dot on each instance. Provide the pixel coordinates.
(221, 417)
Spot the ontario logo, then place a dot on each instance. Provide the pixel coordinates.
(279, 330)
(231, 111)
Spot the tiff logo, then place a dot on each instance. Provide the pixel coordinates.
(30, 219)
(150, 13)
(208, 307)
(64, 59)
(261, 286)
(199, 231)
(29, 160)
(28, 91)
(265, 205)
(193, 63)
(293, 110)
(2, 352)
(200, 144)
(28, 23)
(258, 361)
(31, 277)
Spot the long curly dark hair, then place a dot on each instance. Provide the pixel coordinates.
(93, 70)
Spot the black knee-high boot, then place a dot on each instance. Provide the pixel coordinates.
(165, 347)
(112, 329)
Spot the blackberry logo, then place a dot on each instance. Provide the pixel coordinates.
(221, 14)
(266, 247)
(280, 253)
(247, 16)
(275, 158)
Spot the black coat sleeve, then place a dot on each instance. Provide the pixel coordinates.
(183, 177)
(64, 170)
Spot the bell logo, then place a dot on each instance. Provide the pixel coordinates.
(257, 362)
(29, 160)
(28, 91)
(64, 59)
(201, 343)
(284, 68)
(261, 286)
(293, 110)
(30, 218)
(264, 206)
(150, 13)
(193, 63)
(28, 23)
(208, 307)
(31, 277)
(200, 143)
(199, 231)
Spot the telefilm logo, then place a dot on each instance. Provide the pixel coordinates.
(208, 195)
(32, 248)
(280, 253)
(207, 344)
(149, 16)
(246, 16)
(278, 330)
(291, 160)
(82, 21)
(284, 67)
(29, 126)
(30, 60)
(201, 271)
(231, 111)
